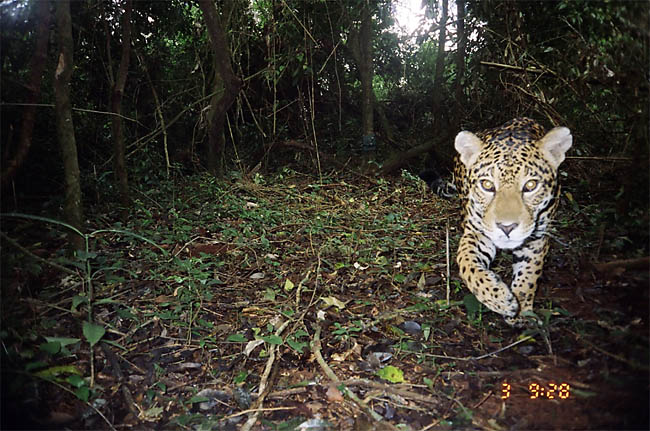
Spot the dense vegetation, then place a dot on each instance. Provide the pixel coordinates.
(191, 190)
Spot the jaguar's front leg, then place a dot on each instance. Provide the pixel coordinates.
(475, 254)
(528, 261)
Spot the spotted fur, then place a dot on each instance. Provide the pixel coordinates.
(508, 179)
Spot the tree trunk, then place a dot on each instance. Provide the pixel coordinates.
(226, 86)
(460, 62)
(357, 49)
(440, 64)
(72, 208)
(117, 124)
(37, 65)
(161, 117)
(366, 72)
(216, 137)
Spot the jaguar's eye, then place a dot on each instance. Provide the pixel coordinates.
(530, 185)
(487, 185)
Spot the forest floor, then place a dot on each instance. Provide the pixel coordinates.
(292, 302)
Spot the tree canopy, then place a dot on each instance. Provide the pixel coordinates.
(580, 64)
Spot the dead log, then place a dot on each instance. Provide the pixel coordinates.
(617, 267)
(400, 159)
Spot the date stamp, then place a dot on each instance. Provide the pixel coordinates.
(549, 391)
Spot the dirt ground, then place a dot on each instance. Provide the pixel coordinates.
(288, 303)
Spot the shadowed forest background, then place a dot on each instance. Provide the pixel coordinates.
(206, 203)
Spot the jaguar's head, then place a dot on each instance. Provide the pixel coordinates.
(513, 184)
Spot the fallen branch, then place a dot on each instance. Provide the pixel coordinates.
(392, 389)
(474, 358)
(448, 280)
(600, 159)
(518, 68)
(389, 389)
(245, 412)
(315, 349)
(90, 111)
(400, 159)
(620, 266)
(263, 390)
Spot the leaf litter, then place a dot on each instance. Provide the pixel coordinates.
(307, 305)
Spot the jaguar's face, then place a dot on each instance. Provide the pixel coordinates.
(508, 194)
(512, 182)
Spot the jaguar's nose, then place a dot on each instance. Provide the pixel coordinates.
(507, 228)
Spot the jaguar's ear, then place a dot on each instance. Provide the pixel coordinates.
(555, 144)
(468, 146)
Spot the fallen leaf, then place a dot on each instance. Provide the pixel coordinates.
(333, 301)
(189, 365)
(333, 394)
(314, 425)
(213, 397)
(315, 406)
(152, 414)
(251, 345)
(163, 298)
(392, 374)
(421, 281)
(410, 327)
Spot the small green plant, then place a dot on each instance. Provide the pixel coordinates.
(90, 264)
(344, 333)
(473, 308)
(296, 342)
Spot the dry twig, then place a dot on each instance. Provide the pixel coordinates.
(263, 389)
(315, 348)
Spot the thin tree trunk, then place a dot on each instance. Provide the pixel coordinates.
(224, 78)
(216, 121)
(37, 65)
(440, 63)
(460, 61)
(159, 111)
(357, 49)
(73, 207)
(117, 124)
(366, 72)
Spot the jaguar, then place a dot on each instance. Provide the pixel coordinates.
(508, 179)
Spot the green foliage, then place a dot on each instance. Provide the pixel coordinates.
(296, 343)
(392, 374)
(90, 265)
(473, 307)
(93, 332)
(344, 333)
